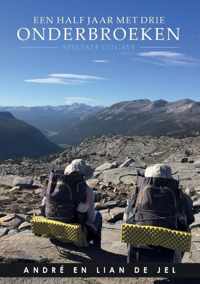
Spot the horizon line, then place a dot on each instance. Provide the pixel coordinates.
(101, 105)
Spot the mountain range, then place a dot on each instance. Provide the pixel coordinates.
(71, 124)
(143, 118)
(19, 139)
(54, 121)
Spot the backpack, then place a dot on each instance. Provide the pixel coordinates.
(64, 193)
(155, 202)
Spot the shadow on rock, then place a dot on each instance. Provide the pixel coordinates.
(83, 255)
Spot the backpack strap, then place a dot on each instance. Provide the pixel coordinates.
(82, 191)
(51, 183)
(140, 185)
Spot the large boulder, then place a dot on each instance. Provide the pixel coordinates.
(27, 247)
(106, 166)
(119, 175)
(23, 181)
(14, 180)
(7, 180)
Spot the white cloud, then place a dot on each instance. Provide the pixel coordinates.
(47, 81)
(84, 100)
(163, 54)
(76, 76)
(169, 58)
(65, 79)
(100, 61)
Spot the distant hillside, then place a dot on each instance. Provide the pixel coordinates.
(143, 149)
(141, 117)
(53, 121)
(18, 139)
(72, 124)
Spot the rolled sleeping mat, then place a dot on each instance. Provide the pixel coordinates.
(142, 235)
(66, 233)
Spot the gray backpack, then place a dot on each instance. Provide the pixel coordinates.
(156, 202)
(64, 193)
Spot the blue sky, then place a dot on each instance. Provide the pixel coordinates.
(55, 76)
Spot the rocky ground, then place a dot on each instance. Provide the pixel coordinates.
(114, 161)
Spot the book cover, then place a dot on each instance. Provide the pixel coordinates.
(99, 141)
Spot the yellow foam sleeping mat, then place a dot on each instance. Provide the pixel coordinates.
(67, 233)
(156, 236)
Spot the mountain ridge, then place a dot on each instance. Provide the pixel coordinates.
(19, 139)
(53, 120)
(71, 124)
(143, 117)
